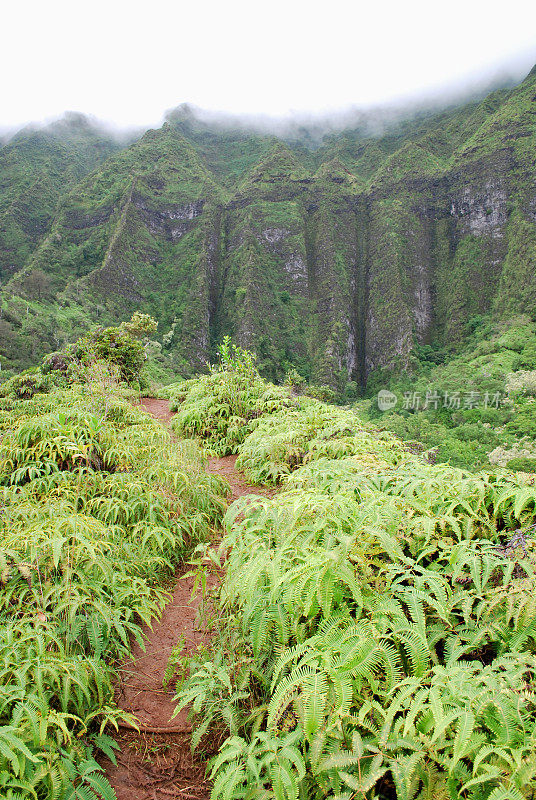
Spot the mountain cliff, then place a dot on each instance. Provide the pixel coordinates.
(337, 259)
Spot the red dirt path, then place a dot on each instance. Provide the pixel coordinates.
(157, 763)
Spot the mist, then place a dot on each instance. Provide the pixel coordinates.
(70, 121)
(308, 126)
(370, 120)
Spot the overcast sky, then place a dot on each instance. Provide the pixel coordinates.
(127, 62)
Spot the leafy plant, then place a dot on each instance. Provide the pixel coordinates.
(377, 624)
(97, 507)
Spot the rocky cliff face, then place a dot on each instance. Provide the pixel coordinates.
(336, 261)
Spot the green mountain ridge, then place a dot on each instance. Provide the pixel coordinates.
(37, 166)
(335, 259)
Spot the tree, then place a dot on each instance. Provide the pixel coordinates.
(37, 284)
(141, 326)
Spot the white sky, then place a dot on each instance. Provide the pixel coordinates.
(127, 62)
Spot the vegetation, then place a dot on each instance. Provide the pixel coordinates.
(331, 255)
(474, 409)
(220, 407)
(115, 353)
(377, 621)
(42, 165)
(97, 507)
(376, 634)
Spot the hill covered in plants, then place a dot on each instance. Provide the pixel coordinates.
(336, 257)
(376, 620)
(473, 409)
(375, 628)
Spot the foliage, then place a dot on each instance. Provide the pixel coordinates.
(25, 385)
(140, 325)
(114, 345)
(112, 354)
(295, 381)
(221, 407)
(494, 407)
(97, 507)
(377, 625)
(280, 442)
(522, 464)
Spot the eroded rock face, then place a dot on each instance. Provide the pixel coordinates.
(274, 235)
(281, 243)
(422, 307)
(172, 221)
(296, 267)
(351, 285)
(482, 213)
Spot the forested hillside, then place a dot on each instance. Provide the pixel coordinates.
(335, 257)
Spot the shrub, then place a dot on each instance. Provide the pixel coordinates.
(378, 624)
(220, 408)
(295, 382)
(140, 326)
(522, 464)
(324, 393)
(25, 385)
(521, 382)
(114, 345)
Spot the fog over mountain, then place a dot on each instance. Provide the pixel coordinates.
(336, 254)
(314, 123)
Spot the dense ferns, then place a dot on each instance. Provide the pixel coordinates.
(378, 614)
(97, 507)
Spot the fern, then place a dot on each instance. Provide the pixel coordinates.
(83, 546)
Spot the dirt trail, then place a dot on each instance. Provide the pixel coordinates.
(157, 763)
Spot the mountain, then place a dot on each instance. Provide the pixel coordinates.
(37, 166)
(336, 258)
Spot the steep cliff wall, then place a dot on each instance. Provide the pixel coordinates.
(336, 262)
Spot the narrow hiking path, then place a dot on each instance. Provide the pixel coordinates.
(157, 763)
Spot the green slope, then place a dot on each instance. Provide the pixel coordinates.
(338, 258)
(36, 168)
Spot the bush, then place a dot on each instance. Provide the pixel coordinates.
(220, 408)
(117, 347)
(295, 382)
(522, 464)
(140, 326)
(25, 385)
(113, 345)
(522, 382)
(324, 393)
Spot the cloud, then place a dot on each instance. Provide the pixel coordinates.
(309, 127)
(372, 120)
(127, 64)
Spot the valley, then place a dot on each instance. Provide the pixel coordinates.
(337, 258)
(268, 455)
